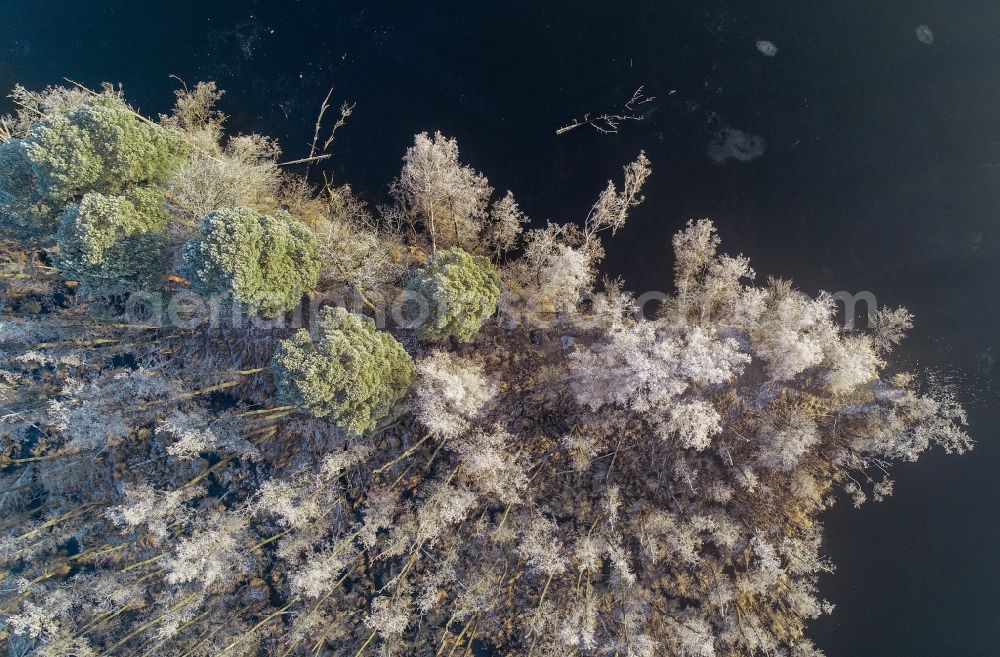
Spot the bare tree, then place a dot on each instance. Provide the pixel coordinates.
(450, 198)
(318, 152)
(612, 207)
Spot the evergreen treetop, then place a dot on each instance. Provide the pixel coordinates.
(350, 372)
(461, 292)
(263, 261)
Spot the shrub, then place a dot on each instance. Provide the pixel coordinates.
(352, 372)
(112, 244)
(461, 290)
(243, 174)
(264, 261)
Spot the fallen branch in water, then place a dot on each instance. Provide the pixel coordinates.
(609, 123)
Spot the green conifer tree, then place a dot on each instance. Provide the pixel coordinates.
(351, 372)
(100, 146)
(266, 262)
(461, 292)
(24, 212)
(114, 244)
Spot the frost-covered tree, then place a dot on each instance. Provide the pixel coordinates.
(450, 198)
(459, 292)
(555, 273)
(560, 261)
(266, 262)
(505, 225)
(889, 326)
(114, 244)
(851, 362)
(611, 210)
(649, 364)
(350, 371)
(451, 393)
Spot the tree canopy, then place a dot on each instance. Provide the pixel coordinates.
(576, 480)
(113, 244)
(263, 261)
(350, 372)
(88, 144)
(458, 291)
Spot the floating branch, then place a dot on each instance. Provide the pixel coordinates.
(609, 123)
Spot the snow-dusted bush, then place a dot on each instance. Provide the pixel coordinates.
(450, 393)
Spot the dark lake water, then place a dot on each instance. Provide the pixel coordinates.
(880, 172)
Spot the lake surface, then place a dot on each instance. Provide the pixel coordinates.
(871, 161)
